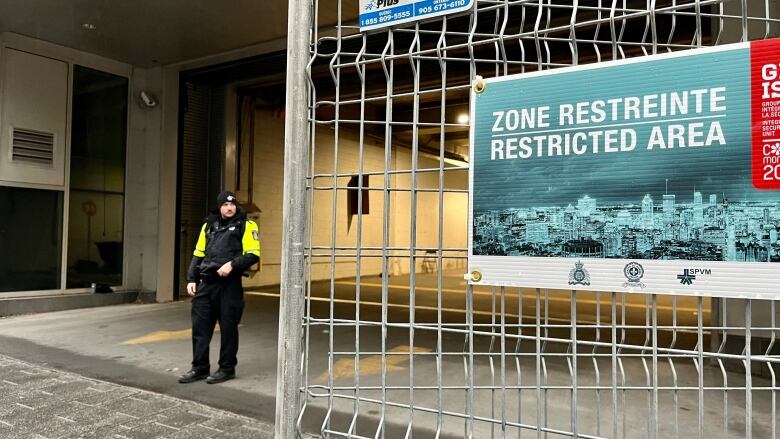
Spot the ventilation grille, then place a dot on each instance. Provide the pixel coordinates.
(32, 146)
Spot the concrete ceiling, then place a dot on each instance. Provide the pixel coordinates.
(146, 33)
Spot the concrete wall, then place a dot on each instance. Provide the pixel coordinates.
(268, 181)
(455, 210)
(142, 173)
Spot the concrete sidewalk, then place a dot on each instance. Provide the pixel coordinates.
(40, 402)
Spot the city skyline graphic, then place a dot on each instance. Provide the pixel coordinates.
(670, 225)
(685, 201)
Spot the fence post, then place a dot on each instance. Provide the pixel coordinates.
(296, 159)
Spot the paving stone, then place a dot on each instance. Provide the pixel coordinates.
(4, 385)
(151, 397)
(21, 434)
(100, 428)
(6, 429)
(37, 399)
(223, 424)
(104, 397)
(103, 432)
(6, 405)
(67, 389)
(257, 430)
(180, 418)
(17, 415)
(140, 408)
(17, 391)
(247, 433)
(47, 403)
(149, 430)
(18, 376)
(83, 414)
(105, 387)
(195, 432)
(51, 426)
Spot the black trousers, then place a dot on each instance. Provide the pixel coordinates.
(223, 302)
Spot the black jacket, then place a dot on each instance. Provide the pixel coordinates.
(235, 239)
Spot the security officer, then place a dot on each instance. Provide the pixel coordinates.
(227, 246)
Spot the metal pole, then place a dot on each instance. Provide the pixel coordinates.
(296, 158)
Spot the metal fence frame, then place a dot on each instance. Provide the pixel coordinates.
(504, 347)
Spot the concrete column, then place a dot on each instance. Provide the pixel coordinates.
(168, 159)
(142, 183)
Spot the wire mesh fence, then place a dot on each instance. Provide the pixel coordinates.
(396, 344)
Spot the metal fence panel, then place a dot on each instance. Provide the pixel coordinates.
(396, 344)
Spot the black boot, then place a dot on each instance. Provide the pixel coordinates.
(193, 375)
(220, 377)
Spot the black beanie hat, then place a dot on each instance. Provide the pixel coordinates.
(225, 197)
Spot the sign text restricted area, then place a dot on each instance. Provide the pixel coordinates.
(657, 174)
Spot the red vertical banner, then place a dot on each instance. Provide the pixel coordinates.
(765, 112)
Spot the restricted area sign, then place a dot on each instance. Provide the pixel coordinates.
(376, 14)
(656, 174)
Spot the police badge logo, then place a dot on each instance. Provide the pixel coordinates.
(633, 272)
(579, 275)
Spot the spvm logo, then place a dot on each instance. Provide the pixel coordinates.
(378, 4)
(689, 275)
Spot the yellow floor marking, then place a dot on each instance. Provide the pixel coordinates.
(372, 365)
(158, 336)
(551, 299)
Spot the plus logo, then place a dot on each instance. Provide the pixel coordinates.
(686, 278)
(377, 4)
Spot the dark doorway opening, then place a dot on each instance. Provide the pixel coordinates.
(205, 111)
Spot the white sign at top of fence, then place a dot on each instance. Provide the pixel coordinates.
(375, 14)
